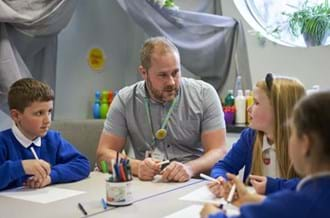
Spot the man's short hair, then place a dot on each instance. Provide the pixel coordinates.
(162, 45)
(24, 92)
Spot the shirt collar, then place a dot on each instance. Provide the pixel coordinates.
(266, 145)
(312, 177)
(25, 142)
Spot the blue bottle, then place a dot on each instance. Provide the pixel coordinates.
(96, 106)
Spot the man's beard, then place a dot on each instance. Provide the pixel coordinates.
(160, 95)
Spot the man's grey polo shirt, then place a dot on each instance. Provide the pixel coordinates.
(198, 109)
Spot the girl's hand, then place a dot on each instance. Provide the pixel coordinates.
(209, 209)
(259, 183)
(242, 195)
(217, 188)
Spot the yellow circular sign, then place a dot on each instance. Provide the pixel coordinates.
(96, 59)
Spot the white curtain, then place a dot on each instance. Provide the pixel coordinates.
(211, 46)
(28, 40)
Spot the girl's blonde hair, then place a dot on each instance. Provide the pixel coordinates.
(283, 93)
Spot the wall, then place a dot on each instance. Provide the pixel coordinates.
(310, 65)
(103, 24)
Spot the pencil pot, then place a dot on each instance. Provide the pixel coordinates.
(119, 193)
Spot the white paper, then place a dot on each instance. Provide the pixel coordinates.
(191, 212)
(203, 195)
(42, 195)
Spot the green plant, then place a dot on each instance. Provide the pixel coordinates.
(165, 3)
(313, 21)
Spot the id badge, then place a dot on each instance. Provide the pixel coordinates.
(157, 155)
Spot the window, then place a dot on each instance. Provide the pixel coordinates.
(266, 15)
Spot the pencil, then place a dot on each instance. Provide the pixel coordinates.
(209, 178)
(163, 162)
(34, 153)
(231, 193)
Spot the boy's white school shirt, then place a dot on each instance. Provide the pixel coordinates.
(24, 141)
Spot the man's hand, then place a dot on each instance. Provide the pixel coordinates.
(37, 168)
(34, 182)
(259, 183)
(176, 172)
(147, 169)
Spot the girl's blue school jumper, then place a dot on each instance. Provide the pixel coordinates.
(239, 156)
(312, 200)
(67, 164)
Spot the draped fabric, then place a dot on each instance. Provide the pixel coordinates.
(208, 43)
(28, 40)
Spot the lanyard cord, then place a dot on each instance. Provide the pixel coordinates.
(165, 121)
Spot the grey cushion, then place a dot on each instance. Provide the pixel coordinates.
(83, 134)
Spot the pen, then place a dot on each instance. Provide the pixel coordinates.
(209, 178)
(104, 204)
(229, 198)
(82, 209)
(104, 166)
(163, 162)
(34, 153)
(231, 193)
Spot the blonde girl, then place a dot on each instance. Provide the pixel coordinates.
(262, 149)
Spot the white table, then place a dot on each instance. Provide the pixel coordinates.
(151, 199)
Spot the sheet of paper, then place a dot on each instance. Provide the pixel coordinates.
(43, 195)
(191, 212)
(203, 195)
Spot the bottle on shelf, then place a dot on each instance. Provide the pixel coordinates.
(249, 103)
(96, 106)
(111, 95)
(315, 88)
(229, 108)
(230, 99)
(104, 105)
(240, 105)
(238, 85)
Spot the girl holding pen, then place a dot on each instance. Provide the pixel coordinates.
(309, 150)
(262, 148)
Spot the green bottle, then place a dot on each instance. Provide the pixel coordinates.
(230, 99)
(104, 105)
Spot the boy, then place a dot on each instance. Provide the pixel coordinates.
(31, 155)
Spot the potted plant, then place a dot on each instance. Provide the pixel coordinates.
(312, 21)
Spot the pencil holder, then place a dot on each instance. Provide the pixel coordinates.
(119, 193)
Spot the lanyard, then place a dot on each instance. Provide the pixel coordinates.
(161, 133)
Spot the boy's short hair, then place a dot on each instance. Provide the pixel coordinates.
(24, 92)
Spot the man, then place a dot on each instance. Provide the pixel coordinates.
(165, 117)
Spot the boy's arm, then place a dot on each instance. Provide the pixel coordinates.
(10, 171)
(70, 164)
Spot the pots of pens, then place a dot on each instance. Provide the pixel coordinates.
(119, 184)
